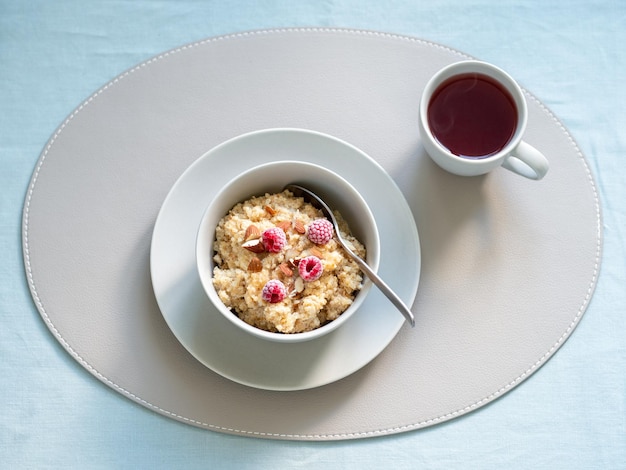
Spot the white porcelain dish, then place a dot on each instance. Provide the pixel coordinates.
(272, 178)
(231, 352)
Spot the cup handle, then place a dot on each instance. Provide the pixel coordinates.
(527, 161)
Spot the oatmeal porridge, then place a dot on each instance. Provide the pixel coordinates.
(279, 267)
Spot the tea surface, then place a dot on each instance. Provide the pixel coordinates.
(472, 115)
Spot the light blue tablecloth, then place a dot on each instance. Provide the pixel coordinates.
(570, 54)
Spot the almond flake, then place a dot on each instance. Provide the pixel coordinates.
(315, 251)
(291, 291)
(255, 265)
(285, 225)
(252, 232)
(270, 210)
(299, 227)
(285, 269)
(294, 262)
(255, 246)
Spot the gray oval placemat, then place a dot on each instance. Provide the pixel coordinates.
(507, 272)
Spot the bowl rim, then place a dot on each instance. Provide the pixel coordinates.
(206, 273)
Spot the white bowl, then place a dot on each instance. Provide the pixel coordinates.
(272, 178)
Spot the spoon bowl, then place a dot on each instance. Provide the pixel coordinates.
(318, 202)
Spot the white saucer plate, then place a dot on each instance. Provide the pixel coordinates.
(251, 361)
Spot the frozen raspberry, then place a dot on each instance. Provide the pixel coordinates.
(274, 239)
(274, 291)
(310, 268)
(320, 231)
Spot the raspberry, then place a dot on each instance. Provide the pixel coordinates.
(274, 291)
(310, 268)
(274, 239)
(320, 231)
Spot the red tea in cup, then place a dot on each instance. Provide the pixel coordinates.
(472, 118)
(472, 115)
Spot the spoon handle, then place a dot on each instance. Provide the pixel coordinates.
(390, 294)
(384, 288)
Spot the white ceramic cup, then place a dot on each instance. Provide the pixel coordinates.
(516, 155)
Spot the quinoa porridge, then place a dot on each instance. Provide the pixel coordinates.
(279, 267)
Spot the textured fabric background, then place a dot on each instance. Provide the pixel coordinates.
(570, 414)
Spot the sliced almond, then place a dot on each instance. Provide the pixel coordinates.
(255, 246)
(299, 227)
(255, 265)
(299, 285)
(285, 269)
(285, 225)
(270, 210)
(315, 251)
(291, 291)
(252, 232)
(293, 262)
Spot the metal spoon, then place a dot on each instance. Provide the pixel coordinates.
(314, 199)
